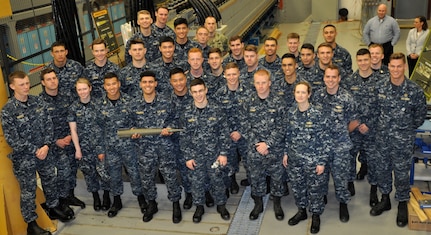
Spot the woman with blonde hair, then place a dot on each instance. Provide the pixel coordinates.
(87, 137)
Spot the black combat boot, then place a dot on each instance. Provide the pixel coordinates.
(234, 187)
(279, 214)
(58, 213)
(351, 188)
(197, 216)
(65, 207)
(188, 201)
(315, 223)
(402, 218)
(151, 210)
(362, 171)
(116, 206)
(209, 200)
(142, 203)
(245, 182)
(221, 209)
(383, 205)
(176, 213)
(258, 208)
(106, 200)
(298, 217)
(96, 203)
(373, 196)
(344, 212)
(34, 229)
(74, 201)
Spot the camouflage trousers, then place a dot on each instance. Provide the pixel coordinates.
(116, 159)
(261, 166)
(25, 167)
(154, 156)
(213, 180)
(394, 157)
(338, 167)
(308, 188)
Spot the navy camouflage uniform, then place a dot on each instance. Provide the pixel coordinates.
(298, 59)
(241, 63)
(162, 69)
(89, 129)
(264, 119)
(339, 110)
(58, 107)
(383, 72)
(182, 50)
(363, 92)
(284, 89)
(151, 43)
(400, 111)
(306, 145)
(180, 102)
(342, 58)
(313, 75)
(119, 152)
(130, 77)
(205, 51)
(28, 127)
(273, 67)
(156, 151)
(204, 139)
(95, 75)
(232, 102)
(213, 82)
(67, 76)
(247, 78)
(159, 32)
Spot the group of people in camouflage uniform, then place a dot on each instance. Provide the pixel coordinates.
(298, 118)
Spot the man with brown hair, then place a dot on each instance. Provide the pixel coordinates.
(252, 65)
(159, 28)
(146, 34)
(29, 132)
(96, 70)
(293, 45)
(401, 108)
(236, 47)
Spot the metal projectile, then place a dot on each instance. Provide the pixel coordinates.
(127, 133)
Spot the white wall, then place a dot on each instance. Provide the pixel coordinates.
(355, 7)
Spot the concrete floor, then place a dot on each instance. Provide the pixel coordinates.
(129, 220)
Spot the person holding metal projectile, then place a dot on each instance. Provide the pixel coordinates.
(153, 110)
(115, 114)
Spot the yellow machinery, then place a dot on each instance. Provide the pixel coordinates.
(11, 220)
